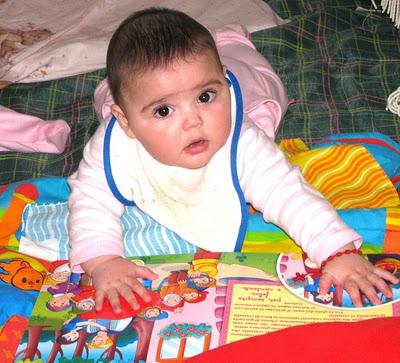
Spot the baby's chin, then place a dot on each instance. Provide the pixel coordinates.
(191, 166)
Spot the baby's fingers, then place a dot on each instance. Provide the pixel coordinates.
(145, 273)
(368, 290)
(140, 290)
(113, 298)
(388, 276)
(127, 294)
(353, 290)
(380, 284)
(325, 283)
(100, 294)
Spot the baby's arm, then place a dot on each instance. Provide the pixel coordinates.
(95, 232)
(277, 189)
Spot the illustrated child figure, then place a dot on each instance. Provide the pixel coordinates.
(97, 327)
(187, 136)
(154, 313)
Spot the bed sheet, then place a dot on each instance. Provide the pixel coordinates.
(338, 64)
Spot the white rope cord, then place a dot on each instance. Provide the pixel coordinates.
(393, 102)
(392, 8)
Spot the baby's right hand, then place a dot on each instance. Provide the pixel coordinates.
(114, 276)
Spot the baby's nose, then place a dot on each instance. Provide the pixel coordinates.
(193, 119)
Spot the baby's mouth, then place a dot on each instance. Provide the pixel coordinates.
(195, 143)
(197, 146)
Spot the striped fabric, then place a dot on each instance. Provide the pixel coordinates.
(338, 64)
(151, 238)
(46, 225)
(348, 176)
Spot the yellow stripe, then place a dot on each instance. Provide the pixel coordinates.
(24, 198)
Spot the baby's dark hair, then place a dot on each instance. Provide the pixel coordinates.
(151, 38)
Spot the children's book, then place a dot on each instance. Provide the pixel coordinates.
(199, 302)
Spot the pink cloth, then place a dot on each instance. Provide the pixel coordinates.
(26, 133)
(269, 182)
(264, 97)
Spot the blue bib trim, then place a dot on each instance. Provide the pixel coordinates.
(107, 165)
(235, 139)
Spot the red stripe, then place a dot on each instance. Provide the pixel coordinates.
(395, 179)
(366, 141)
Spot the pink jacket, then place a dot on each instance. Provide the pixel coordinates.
(269, 182)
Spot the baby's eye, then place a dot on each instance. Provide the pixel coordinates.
(206, 97)
(162, 111)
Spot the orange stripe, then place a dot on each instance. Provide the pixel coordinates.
(321, 166)
(391, 242)
(349, 174)
(339, 177)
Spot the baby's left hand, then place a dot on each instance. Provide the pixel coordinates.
(358, 277)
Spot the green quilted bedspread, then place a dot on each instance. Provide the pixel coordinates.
(339, 64)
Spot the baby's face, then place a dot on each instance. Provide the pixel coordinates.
(180, 114)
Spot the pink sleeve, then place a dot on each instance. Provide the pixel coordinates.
(26, 133)
(264, 97)
(278, 190)
(94, 221)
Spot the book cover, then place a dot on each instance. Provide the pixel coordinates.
(199, 302)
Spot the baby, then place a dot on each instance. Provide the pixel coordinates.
(189, 140)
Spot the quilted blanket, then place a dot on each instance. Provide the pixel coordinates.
(337, 62)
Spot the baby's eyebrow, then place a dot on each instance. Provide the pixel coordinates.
(208, 83)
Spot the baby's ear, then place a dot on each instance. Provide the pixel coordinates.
(122, 120)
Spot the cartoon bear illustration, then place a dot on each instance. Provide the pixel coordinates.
(21, 275)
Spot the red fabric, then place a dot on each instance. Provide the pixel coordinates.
(374, 340)
(107, 311)
(10, 336)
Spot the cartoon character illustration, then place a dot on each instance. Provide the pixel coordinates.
(205, 262)
(20, 274)
(153, 313)
(173, 302)
(62, 295)
(184, 286)
(200, 281)
(194, 296)
(11, 217)
(60, 274)
(99, 328)
(100, 341)
(85, 304)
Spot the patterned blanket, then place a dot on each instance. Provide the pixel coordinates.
(357, 173)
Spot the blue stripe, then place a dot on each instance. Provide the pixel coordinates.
(135, 236)
(149, 235)
(235, 178)
(107, 165)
